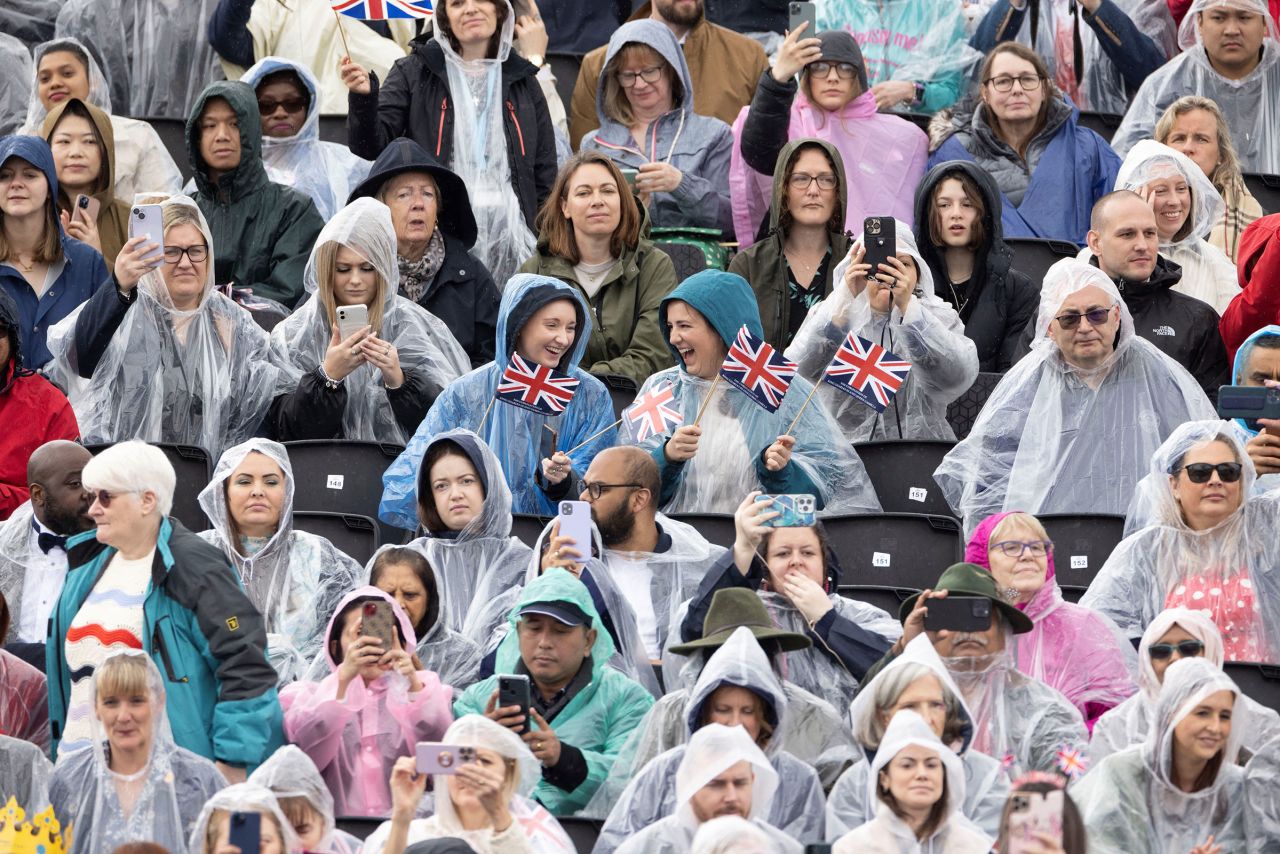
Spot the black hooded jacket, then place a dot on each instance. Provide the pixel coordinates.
(999, 301)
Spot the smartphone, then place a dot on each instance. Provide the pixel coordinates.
(514, 691)
(959, 614)
(1249, 403)
(803, 13)
(798, 511)
(547, 442)
(433, 758)
(148, 221)
(575, 522)
(1031, 813)
(880, 238)
(630, 175)
(246, 831)
(378, 621)
(351, 319)
(87, 208)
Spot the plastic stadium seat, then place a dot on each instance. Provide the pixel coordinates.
(716, 527)
(1103, 124)
(358, 826)
(1082, 542)
(687, 258)
(964, 410)
(920, 120)
(583, 832)
(337, 476)
(901, 470)
(354, 536)
(528, 527)
(1260, 682)
(888, 599)
(1034, 256)
(564, 67)
(1266, 189)
(894, 549)
(192, 466)
(173, 133)
(622, 391)
(333, 129)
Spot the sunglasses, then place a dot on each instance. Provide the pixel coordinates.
(1096, 317)
(291, 105)
(1186, 649)
(1201, 472)
(103, 497)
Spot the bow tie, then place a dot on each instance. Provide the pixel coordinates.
(49, 541)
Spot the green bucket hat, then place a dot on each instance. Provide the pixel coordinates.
(969, 579)
(735, 607)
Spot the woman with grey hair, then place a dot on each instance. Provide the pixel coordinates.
(141, 580)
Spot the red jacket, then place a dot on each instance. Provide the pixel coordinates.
(1179, 9)
(1258, 269)
(33, 412)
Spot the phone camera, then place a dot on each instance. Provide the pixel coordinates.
(84, 201)
(1021, 803)
(982, 607)
(139, 213)
(566, 509)
(873, 226)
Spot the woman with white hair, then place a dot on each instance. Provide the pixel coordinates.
(142, 581)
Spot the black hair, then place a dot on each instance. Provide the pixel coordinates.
(422, 568)
(334, 641)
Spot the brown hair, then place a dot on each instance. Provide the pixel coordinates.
(50, 248)
(937, 813)
(557, 230)
(326, 258)
(766, 728)
(77, 108)
(616, 105)
(1226, 176)
(427, 513)
(978, 232)
(298, 809)
(1074, 837)
(835, 224)
(1046, 84)
(446, 29)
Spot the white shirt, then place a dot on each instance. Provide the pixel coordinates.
(41, 587)
(634, 578)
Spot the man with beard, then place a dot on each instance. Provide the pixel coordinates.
(725, 66)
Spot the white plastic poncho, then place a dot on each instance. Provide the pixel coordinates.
(1262, 799)
(426, 347)
(651, 793)
(886, 832)
(101, 809)
(16, 86)
(1207, 273)
(852, 802)
(325, 171)
(712, 750)
(1128, 723)
(1251, 105)
(201, 377)
(1231, 571)
(15, 551)
(295, 579)
(24, 775)
(731, 834)
(480, 154)
(290, 773)
(1047, 441)
(944, 362)
(243, 797)
(1130, 802)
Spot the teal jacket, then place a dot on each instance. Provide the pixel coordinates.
(206, 638)
(597, 721)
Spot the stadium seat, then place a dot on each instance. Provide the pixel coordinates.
(337, 476)
(687, 258)
(964, 410)
(622, 391)
(901, 470)
(358, 826)
(583, 832)
(894, 549)
(192, 466)
(333, 129)
(528, 527)
(1103, 124)
(1034, 256)
(1082, 542)
(1259, 682)
(887, 599)
(1266, 189)
(717, 528)
(920, 120)
(564, 67)
(173, 133)
(353, 535)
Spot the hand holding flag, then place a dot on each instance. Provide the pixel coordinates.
(867, 372)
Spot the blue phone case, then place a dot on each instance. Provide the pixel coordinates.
(246, 831)
(798, 511)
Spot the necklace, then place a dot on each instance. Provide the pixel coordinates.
(960, 303)
(26, 268)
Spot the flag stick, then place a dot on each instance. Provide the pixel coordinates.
(593, 436)
(485, 417)
(802, 406)
(345, 46)
(706, 400)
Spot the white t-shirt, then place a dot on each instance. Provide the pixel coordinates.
(633, 578)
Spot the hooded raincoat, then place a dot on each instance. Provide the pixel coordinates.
(929, 335)
(1257, 266)
(1251, 104)
(1131, 802)
(697, 145)
(599, 716)
(997, 302)
(290, 773)
(262, 231)
(1035, 445)
(355, 735)
(293, 578)
(155, 372)
(362, 407)
(16, 88)
(1261, 807)
(515, 435)
(738, 431)
(1230, 570)
(651, 793)
(101, 809)
(243, 797)
(24, 774)
(24, 701)
(325, 171)
(1246, 429)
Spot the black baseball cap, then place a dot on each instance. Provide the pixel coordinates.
(560, 610)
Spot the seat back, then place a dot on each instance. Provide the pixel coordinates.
(339, 476)
(1259, 682)
(1103, 124)
(582, 831)
(361, 827)
(1266, 189)
(687, 258)
(894, 549)
(888, 599)
(1082, 542)
(963, 411)
(717, 528)
(173, 133)
(193, 468)
(528, 527)
(1034, 256)
(333, 128)
(622, 391)
(353, 535)
(901, 470)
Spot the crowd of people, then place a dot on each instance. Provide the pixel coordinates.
(491, 276)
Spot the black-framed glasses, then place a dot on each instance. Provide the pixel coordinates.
(1186, 649)
(822, 69)
(802, 180)
(627, 79)
(1201, 472)
(1004, 83)
(1095, 316)
(1015, 548)
(598, 489)
(291, 105)
(197, 253)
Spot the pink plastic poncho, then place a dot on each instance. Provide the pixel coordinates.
(24, 701)
(356, 740)
(1075, 650)
(884, 158)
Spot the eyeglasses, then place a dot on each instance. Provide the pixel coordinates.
(598, 489)
(627, 79)
(1201, 472)
(1096, 317)
(1004, 83)
(103, 497)
(820, 69)
(197, 253)
(291, 105)
(1015, 548)
(1186, 649)
(802, 180)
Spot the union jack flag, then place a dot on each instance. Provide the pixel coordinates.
(651, 414)
(382, 10)
(761, 372)
(536, 388)
(867, 371)
(1071, 762)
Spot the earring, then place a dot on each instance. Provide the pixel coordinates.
(1009, 594)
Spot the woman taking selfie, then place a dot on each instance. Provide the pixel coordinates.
(83, 145)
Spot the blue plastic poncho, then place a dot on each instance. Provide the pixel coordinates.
(1265, 482)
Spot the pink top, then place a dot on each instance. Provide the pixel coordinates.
(1230, 603)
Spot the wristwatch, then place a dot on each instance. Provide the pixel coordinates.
(919, 94)
(537, 59)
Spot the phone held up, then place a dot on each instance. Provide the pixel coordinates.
(514, 690)
(880, 240)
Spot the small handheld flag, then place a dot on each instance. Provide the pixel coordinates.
(867, 371)
(652, 414)
(382, 10)
(758, 370)
(535, 387)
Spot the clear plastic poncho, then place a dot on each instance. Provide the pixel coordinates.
(944, 362)
(201, 377)
(852, 802)
(1130, 802)
(243, 797)
(24, 775)
(101, 809)
(1048, 441)
(290, 773)
(24, 701)
(294, 579)
(15, 539)
(325, 171)
(480, 153)
(650, 792)
(1262, 799)
(1207, 273)
(16, 87)
(1251, 105)
(1231, 570)
(426, 347)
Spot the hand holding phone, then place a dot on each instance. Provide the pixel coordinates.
(435, 758)
(378, 621)
(1032, 815)
(245, 831)
(514, 691)
(959, 614)
(575, 524)
(86, 208)
(148, 221)
(880, 237)
(794, 511)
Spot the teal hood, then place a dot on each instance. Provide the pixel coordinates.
(555, 585)
(523, 296)
(724, 299)
(1242, 358)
